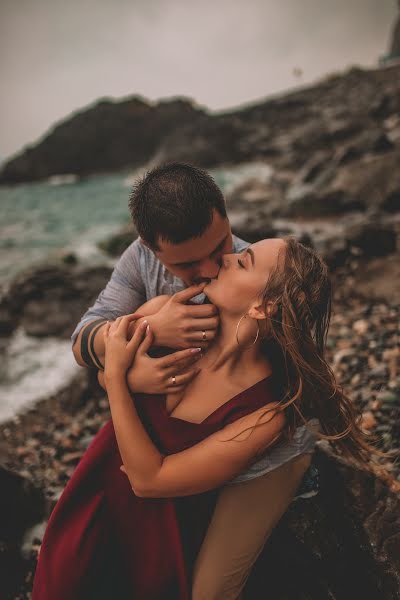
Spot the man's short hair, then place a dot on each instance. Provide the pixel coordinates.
(174, 202)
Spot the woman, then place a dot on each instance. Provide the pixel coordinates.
(263, 377)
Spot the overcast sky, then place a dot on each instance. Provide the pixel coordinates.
(59, 55)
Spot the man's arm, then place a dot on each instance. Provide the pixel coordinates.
(92, 334)
(123, 294)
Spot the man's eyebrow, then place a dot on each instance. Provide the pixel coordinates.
(250, 251)
(190, 262)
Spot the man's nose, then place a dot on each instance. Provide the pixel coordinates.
(209, 268)
(226, 259)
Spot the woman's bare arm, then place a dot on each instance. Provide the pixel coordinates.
(217, 459)
(204, 466)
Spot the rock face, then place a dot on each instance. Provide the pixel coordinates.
(333, 122)
(117, 243)
(109, 136)
(343, 543)
(50, 300)
(22, 505)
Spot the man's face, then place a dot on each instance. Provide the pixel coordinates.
(198, 259)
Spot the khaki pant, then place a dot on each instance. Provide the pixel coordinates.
(243, 519)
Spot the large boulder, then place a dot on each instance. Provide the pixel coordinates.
(372, 239)
(342, 544)
(50, 300)
(109, 136)
(369, 181)
(116, 244)
(22, 505)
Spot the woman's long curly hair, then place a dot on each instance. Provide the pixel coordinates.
(299, 290)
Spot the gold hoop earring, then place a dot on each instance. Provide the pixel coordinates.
(237, 332)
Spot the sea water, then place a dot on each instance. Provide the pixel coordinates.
(42, 221)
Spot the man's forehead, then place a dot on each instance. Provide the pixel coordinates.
(193, 250)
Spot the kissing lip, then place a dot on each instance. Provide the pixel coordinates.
(214, 279)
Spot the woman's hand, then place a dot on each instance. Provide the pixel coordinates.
(120, 351)
(165, 375)
(127, 356)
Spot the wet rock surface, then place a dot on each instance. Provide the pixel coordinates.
(22, 504)
(117, 243)
(50, 300)
(343, 543)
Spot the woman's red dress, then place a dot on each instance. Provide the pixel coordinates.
(102, 541)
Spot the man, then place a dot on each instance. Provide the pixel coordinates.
(180, 215)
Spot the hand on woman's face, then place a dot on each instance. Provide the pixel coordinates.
(243, 277)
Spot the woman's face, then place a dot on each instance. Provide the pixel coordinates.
(242, 277)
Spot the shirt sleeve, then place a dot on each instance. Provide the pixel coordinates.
(123, 294)
(304, 440)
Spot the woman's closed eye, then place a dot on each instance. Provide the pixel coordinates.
(240, 263)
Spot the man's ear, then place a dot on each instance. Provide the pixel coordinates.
(262, 311)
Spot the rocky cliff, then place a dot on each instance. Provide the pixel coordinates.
(108, 136)
(340, 118)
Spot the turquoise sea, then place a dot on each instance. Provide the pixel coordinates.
(40, 221)
(43, 220)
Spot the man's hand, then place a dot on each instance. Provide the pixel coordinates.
(155, 375)
(181, 325)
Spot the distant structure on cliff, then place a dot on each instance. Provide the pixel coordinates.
(394, 50)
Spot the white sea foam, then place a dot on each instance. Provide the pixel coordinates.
(65, 179)
(32, 369)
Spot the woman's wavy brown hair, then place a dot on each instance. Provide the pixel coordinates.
(299, 290)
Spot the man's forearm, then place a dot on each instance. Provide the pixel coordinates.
(86, 345)
(88, 348)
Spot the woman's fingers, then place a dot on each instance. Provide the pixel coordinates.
(147, 341)
(181, 380)
(124, 321)
(138, 336)
(173, 360)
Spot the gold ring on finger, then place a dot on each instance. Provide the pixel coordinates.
(173, 380)
(204, 335)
